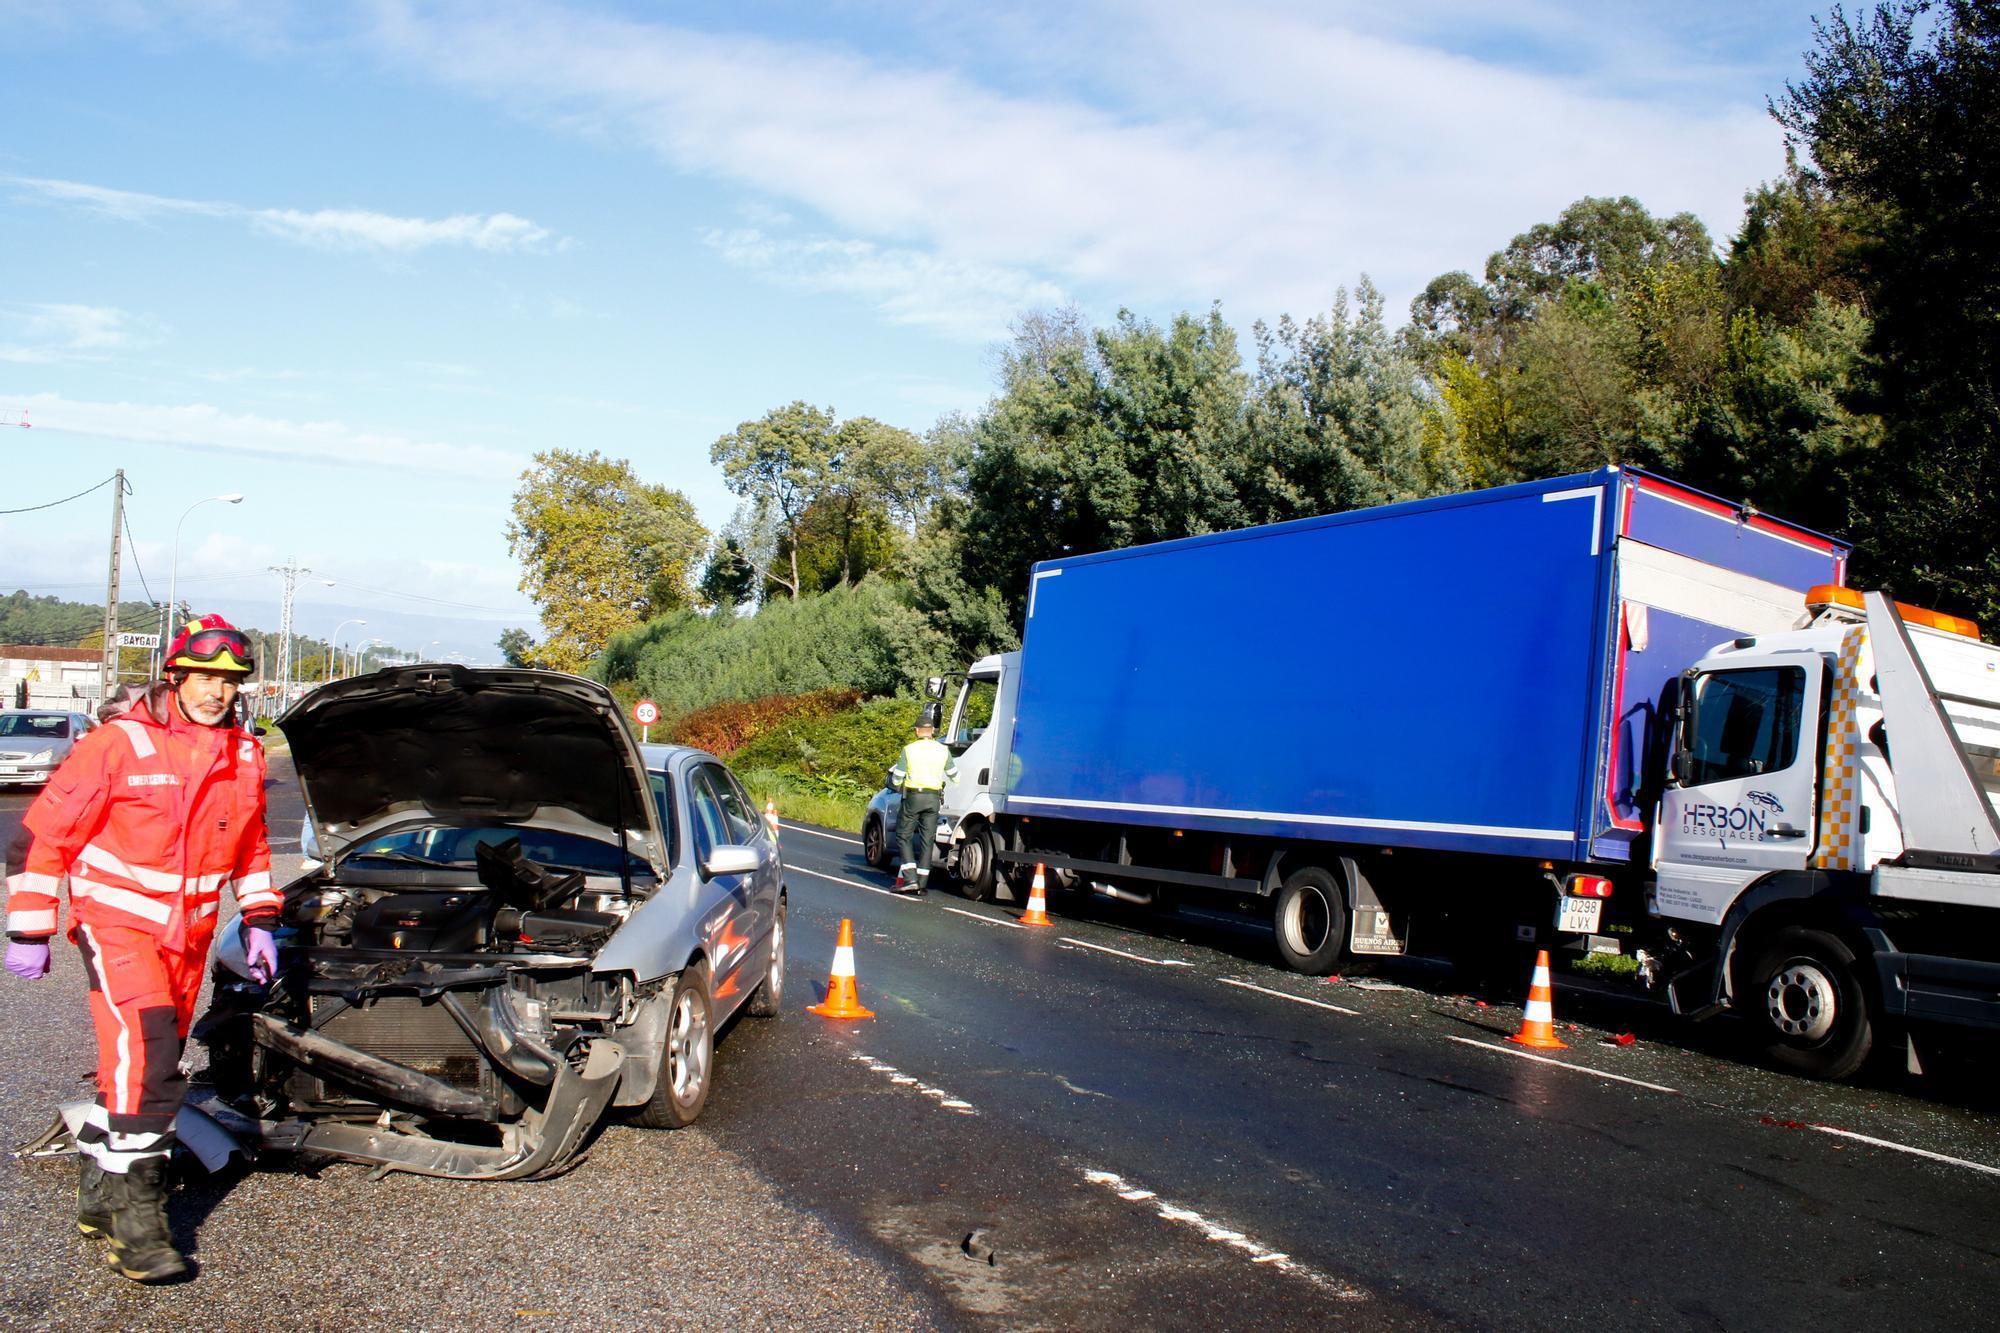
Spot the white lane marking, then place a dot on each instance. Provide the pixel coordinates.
(1221, 1235)
(1904, 1147)
(1564, 1064)
(850, 883)
(989, 920)
(830, 837)
(1295, 999)
(1137, 958)
(945, 1100)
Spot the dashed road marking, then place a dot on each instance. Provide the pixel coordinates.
(989, 920)
(897, 1077)
(1137, 958)
(1295, 999)
(1904, 1147)
(817, 833)
(1564, 1064)
(1221, 1235)
(850, 883)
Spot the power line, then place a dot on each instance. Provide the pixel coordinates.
(65, 500)
(133, 546)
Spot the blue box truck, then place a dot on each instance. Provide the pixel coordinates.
(1441, 721)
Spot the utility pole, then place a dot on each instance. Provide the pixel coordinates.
(107, 671)
(291, 575)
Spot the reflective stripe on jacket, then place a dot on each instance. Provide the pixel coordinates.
(924, 765)
(149, 821)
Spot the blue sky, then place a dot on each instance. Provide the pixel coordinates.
(359, 261)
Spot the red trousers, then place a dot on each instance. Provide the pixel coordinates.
(142, 998)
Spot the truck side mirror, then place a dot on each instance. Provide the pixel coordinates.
(934, 687)
(1680, 767)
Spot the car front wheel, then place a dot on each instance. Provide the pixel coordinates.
(874, 845)
(687, 1056)
(768, 1000)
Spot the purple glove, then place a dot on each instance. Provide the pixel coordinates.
(28, 959)
(261, 952)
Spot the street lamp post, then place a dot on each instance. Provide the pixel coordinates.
(174, 574)
(332, 640)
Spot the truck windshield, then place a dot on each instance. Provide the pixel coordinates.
(974, 713)
(1746, 723)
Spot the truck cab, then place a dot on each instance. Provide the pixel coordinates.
(1826, 852)
(980, 724)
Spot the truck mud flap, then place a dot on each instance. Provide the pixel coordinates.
(541, 1142)
(1370, 927)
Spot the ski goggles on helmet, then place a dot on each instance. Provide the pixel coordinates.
(215, 650)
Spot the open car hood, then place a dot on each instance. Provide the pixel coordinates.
(437, 744)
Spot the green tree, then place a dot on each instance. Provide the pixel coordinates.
(1336, 417)
(779, 464)
(517, 647)
(727, 580)
(600, 551)
(1101, 439)
(1900, 114)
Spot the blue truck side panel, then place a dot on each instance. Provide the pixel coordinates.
(1447, 673)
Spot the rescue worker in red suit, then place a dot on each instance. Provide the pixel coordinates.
(151, 817)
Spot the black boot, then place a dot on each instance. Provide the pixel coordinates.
(142, 1248)
(93, 1197)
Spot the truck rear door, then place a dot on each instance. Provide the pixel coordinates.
(1744, 801)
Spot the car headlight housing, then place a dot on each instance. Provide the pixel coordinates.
(42, 756)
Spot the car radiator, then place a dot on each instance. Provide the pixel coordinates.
(413, 1032)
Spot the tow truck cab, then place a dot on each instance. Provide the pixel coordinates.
(1826, 851)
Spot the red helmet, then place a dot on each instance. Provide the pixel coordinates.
(211, 644)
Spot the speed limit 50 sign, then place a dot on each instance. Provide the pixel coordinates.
(645, 712)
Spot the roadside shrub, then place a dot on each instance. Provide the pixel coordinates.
(724, 728)
(686, 661)
(840, 755)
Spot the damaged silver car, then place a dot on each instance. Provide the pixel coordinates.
(523, 921)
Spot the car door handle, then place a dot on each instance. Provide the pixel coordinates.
(1786, 831)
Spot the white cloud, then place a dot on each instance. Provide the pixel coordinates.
(41, 334)
(202, 427)
(354, 229)
(1276, 155)
(965, 299)
(326, 228)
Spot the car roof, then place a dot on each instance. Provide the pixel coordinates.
(662, 758)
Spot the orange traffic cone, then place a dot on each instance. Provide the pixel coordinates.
(841, 1000)
(771, 817)
(1538, 1020)
(1038, 903)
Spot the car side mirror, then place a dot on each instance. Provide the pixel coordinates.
(730, 859)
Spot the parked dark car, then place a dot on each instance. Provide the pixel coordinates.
(523, 921)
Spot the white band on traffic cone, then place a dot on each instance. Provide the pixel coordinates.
(843, 961)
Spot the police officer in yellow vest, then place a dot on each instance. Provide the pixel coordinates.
(921, 771)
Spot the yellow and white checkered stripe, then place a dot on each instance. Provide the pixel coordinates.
(1840, 782)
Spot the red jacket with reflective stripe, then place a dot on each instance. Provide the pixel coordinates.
(149, 819)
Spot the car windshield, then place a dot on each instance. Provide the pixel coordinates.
(459, 847)
(39, 726)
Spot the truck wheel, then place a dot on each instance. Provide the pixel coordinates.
(875, 845)
(1310, 916)
(976, 865)
(1807, 1005)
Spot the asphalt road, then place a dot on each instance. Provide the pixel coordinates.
(1115, 1122)
(1411, 1167)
